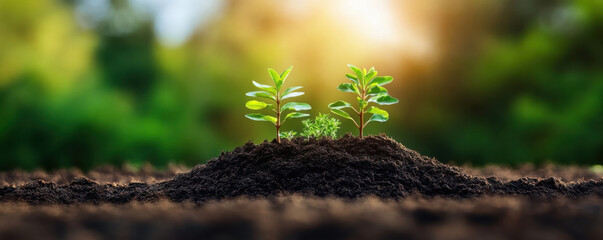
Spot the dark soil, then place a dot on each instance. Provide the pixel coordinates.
(101, 175)
(569, 173)
(148, 174)
(297, 217)
(347, 168)
(350, 167)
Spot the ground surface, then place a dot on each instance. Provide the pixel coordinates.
(297, 217)
(364, 189)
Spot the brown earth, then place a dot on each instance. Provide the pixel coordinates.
(101, 175)
(565, 173)
(349, 188)
(347, 168)
(147, 173)
(301, 217)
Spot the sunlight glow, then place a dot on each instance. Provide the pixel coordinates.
(379, 21)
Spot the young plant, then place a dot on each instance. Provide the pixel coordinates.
(322, 126)
(368, 89)
(288, 134)
(275, 94)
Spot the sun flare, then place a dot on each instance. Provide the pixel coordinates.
(380, 22)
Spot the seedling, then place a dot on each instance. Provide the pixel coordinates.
(369, 89)
(288, 134)
(322, 126)
(274, 94)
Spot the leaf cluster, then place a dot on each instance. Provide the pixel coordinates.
(322, 126)
(274, 93)
(368, 88)
(288, 134)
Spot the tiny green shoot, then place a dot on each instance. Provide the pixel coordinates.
(274, 94)
(368, 88)
(322, 126)
(288, 134)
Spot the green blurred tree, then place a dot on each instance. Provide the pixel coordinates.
(533, 93)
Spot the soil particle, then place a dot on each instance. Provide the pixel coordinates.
(347, 168)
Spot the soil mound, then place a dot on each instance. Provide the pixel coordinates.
(348, 167)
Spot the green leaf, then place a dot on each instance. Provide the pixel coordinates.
(351, 77)
(261, 94)
(348, 87)
(291, 89)
(296, 115)
(357, 71)
(362, 103)
(296, 106)
(376, 110)
(377, 118)
(256, 105)
(292, 94)
(285, 74)
(370, 75)
(379, 115)
(261, 117)
(382, 80)
(276, 78)
(289, 92)
(341, 113)
(339, 105)
(376, 90)
(264, 87)
(383, 99)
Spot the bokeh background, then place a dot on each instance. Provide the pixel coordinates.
(91, 82)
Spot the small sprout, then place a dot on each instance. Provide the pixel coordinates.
(274, 94)
(368, 88)
(322, 126)
(288, 134)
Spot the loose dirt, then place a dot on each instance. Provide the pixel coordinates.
(101, 175)
(347, 168)
(299, 217)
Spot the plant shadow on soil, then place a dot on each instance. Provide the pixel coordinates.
(347, 168)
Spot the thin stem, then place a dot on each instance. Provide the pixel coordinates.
(355, 123)
(361, 113)
(278, 118)
(361, 127)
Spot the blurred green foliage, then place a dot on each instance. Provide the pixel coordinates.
(534, 93)
(507, 82)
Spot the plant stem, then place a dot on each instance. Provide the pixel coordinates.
(278, 118)
(361, 125)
